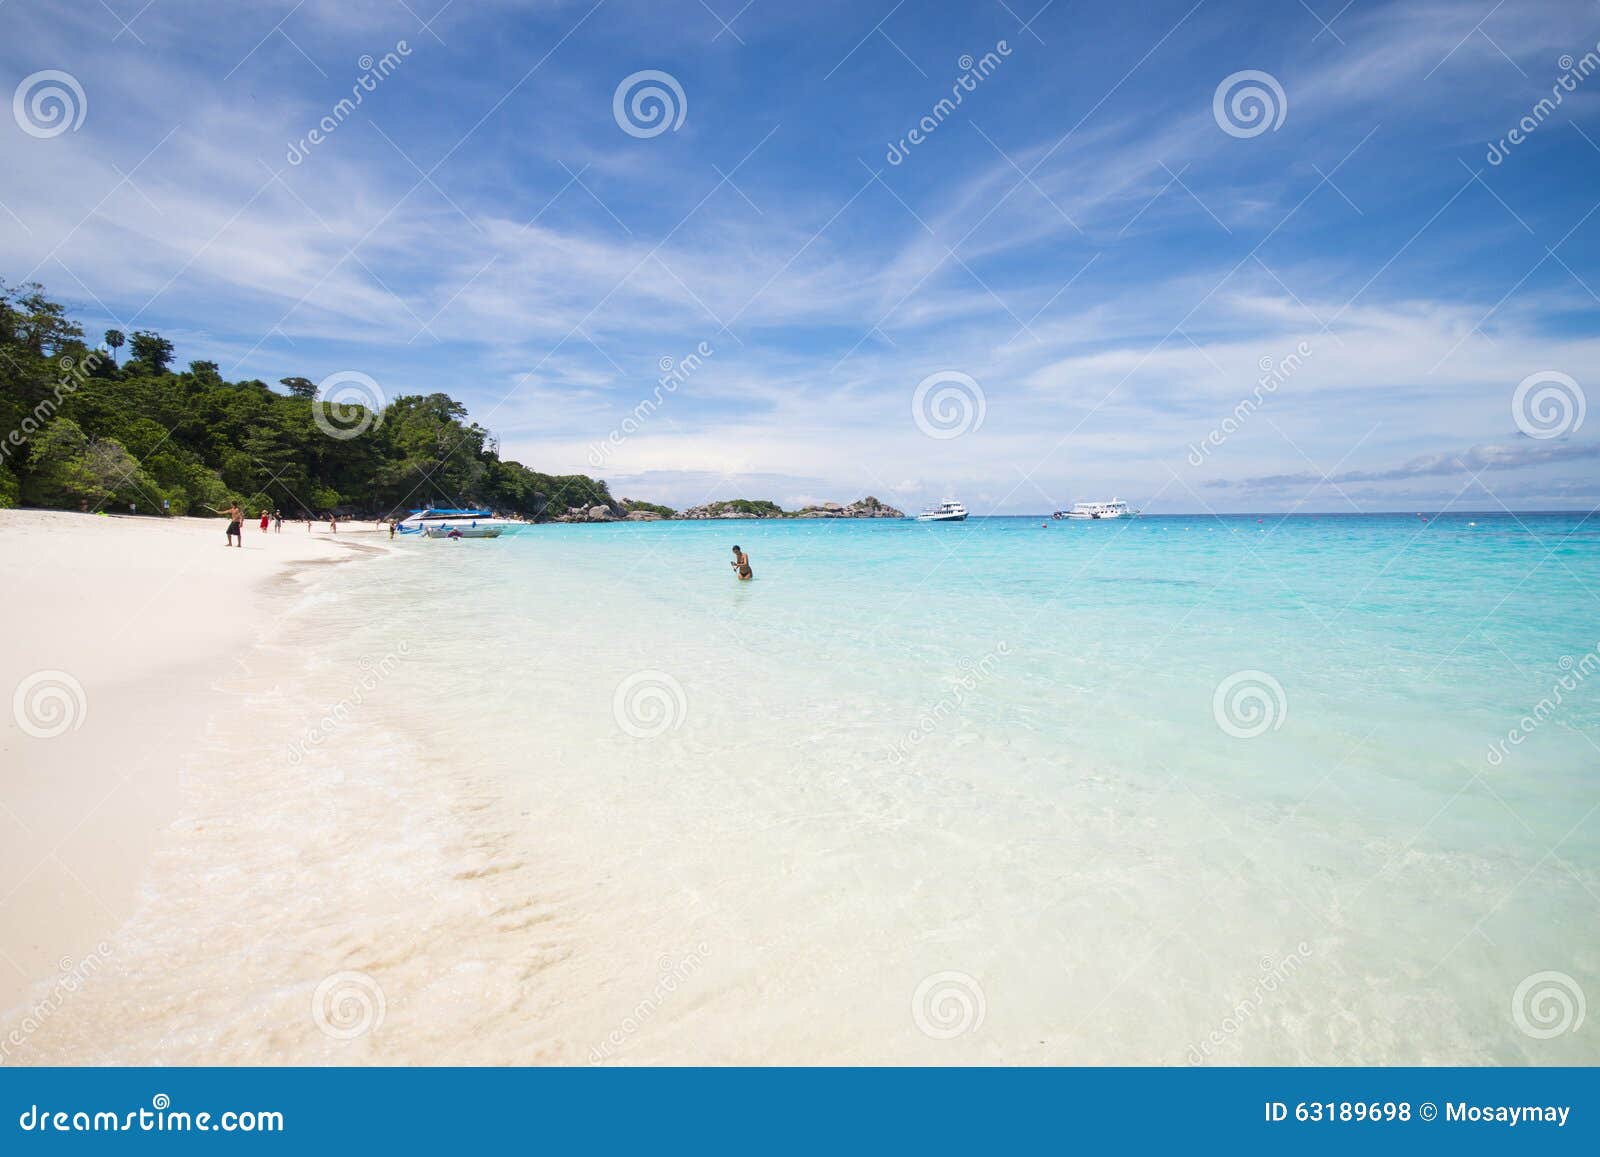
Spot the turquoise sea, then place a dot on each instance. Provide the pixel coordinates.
(1169, 790)
(998, 749)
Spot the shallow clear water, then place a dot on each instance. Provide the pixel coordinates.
(958, 793)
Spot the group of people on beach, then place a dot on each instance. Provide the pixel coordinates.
(740, 564)
(274, 519)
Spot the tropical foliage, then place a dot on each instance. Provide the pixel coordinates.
(77, 431)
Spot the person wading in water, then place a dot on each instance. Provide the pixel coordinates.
(741, 564)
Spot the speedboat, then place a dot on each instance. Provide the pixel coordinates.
(947, 511)
(1116, 508)
(443, 522)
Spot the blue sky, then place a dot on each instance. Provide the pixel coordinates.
(1081, 239)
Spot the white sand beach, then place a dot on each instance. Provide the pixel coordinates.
(118, 630)
(575, 796)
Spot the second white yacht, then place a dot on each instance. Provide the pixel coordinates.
(947, 511)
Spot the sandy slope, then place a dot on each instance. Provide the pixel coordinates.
(115, 630)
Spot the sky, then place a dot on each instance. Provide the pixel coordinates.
(1317, 255)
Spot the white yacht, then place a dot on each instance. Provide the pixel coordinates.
(441, 522)
(947, 511)
(1116, 508)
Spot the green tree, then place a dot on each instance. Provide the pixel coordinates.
(152, 351)
(206, 371)
(114, 340)
(92, 432)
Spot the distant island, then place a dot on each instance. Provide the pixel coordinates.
(83, 429)
(631, 510)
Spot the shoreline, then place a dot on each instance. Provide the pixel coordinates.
(107, 701)
(587, 829)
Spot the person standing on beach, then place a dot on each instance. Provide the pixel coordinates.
(277, 522)
(235, 526)
(333, 523)
(263, 522)
(741, 564)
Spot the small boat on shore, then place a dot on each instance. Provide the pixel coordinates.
(947, 511)
(441, 522)
(1116, 508)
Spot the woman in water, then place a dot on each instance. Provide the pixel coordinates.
(741, 564)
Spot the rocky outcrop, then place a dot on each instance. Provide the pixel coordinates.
(868, 507)
(729, 509)
(734, 508)
(596, 513)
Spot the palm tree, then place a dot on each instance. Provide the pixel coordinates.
(114, 339)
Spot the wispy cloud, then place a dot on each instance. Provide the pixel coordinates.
(1472, 460)
(1082, 239)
